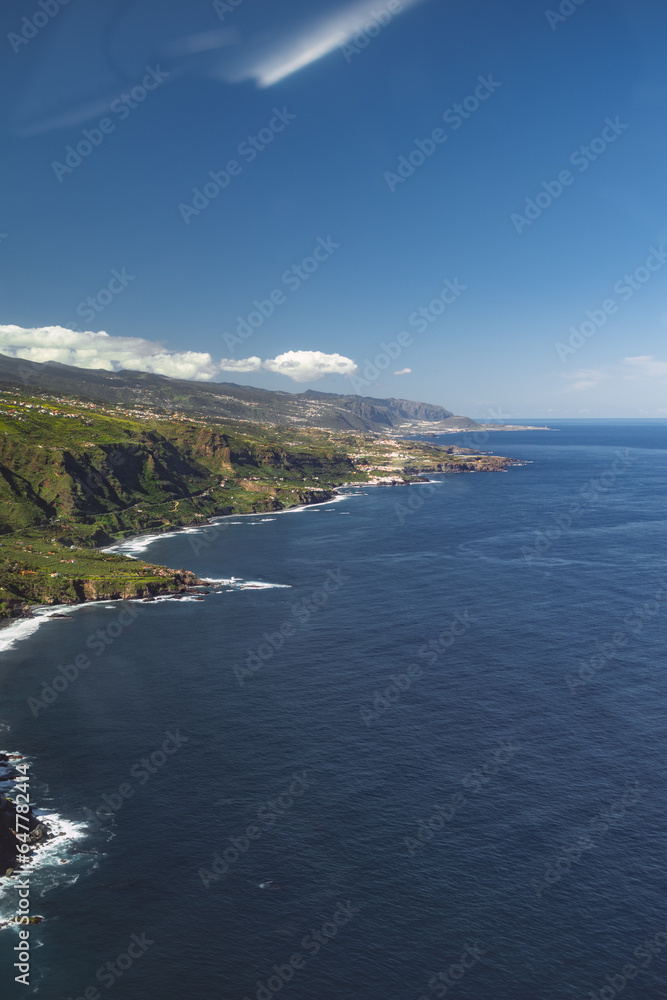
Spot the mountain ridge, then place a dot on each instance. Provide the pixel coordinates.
(229, 400)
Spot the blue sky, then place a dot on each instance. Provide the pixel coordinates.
(513, 227)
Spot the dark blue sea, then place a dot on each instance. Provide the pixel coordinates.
(429, 762)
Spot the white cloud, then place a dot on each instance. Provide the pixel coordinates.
(300, 366)
(85, 349)
(585, 379)
(203, 42)
(646, 366)
(404, 371)
(270, 65)
(244, 365)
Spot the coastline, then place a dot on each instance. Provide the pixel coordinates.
(22, 833)
(46, 831)
(32, 840)
(13, 628)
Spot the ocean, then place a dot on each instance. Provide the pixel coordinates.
(425, 758)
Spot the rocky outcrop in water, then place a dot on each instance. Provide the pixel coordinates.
(37, 832)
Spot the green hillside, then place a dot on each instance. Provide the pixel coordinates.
(75, 476)
(227, 401)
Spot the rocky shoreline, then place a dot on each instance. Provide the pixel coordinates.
(36, 832)
(166, 582)
(179, 583)
(183, 582)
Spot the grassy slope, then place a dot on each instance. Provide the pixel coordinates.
(72, 474)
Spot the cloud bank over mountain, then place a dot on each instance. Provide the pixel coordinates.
(86, 349)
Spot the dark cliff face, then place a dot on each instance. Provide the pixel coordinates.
(37, 483)
(384, 412)
(419, 411)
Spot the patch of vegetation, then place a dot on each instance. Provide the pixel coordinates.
(75, 476)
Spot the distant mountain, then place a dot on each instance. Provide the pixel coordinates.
(228, 401)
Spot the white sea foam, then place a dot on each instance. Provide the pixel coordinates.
(259, 518)
(23, 628)
(235, 584)
(131, 547)
(12, 634)
(45, 865)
